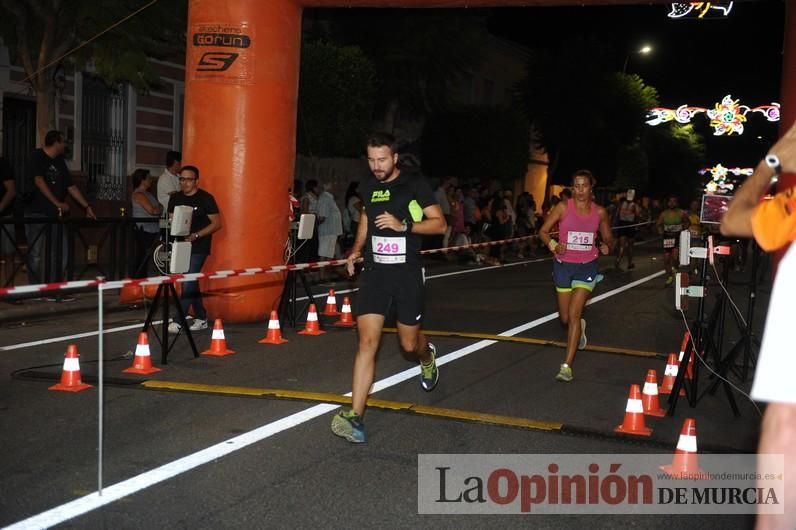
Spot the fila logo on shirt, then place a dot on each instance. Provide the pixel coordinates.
(380, 196)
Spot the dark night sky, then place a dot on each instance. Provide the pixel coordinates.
(694, 61)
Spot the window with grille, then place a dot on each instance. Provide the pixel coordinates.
(103, 123)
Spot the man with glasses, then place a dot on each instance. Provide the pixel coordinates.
(205, 221)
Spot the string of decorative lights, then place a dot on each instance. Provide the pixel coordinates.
(700, 9)
(720, 182)
(726, 117)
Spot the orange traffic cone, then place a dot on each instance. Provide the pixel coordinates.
(669, 375)
(70, 376)
(346, 318)
(689, 373)
(649, 396)
(685, 463)
(331, 305)
(312, 327)
(274, 335)
(634, 415)
(142, 362)
(218, 343)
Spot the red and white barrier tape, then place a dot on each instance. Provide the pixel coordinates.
(43, 287)
(157, 280)
(476, 245)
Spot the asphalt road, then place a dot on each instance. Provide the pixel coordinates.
(204, 460)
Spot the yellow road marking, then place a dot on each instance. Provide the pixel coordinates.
(538, 342)
(325, 397)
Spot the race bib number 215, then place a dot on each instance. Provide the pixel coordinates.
(580, 240)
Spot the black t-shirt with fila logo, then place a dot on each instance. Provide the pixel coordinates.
(405, 198)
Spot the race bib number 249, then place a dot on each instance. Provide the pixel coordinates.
(388, 250)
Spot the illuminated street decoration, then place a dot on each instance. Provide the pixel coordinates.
(681, 114)
(719, 182)
(726, 117)
(700, 9)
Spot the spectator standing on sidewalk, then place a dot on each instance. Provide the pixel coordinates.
(330, 227)
(52, 182)
(169, 180)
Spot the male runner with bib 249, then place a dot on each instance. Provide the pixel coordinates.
(398, 210)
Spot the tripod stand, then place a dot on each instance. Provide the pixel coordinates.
(748, 340)
(166, 291)
(288, 302)
(704, 332)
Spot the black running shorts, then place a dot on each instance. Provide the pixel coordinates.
(399, 288)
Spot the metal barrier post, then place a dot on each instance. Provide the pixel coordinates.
(58, 274)
(70, 256)
(45, 260)
(101, 416)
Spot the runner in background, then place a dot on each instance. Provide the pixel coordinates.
(627, 216)
(671, 222)
(695, 222)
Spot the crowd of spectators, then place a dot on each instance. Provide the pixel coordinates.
(480, 213)
(475, 213)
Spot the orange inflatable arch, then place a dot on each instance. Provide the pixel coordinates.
(241, 93)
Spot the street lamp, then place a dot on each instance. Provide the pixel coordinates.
(646, 49)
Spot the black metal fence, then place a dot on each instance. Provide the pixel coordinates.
(73, 249)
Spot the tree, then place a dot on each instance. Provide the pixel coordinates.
(675, 153)
(39, 34)
(587, 115)
(632, 169)
(337, 92)
(417, 54)
(476, 142)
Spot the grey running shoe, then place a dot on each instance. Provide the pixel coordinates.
(198, 324)
(583, 341)
(347, 424)
(429, 374)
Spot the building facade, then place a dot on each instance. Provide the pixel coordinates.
(111, 131)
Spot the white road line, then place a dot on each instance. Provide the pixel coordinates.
(91, 502)
(73, 337)
(52, 340)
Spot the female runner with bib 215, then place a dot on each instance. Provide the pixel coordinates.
(575, 268)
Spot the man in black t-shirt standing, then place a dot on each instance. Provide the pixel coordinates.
(398, 210)
(205, 221)
(52, 182)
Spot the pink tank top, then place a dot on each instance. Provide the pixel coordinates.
(578, 232)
